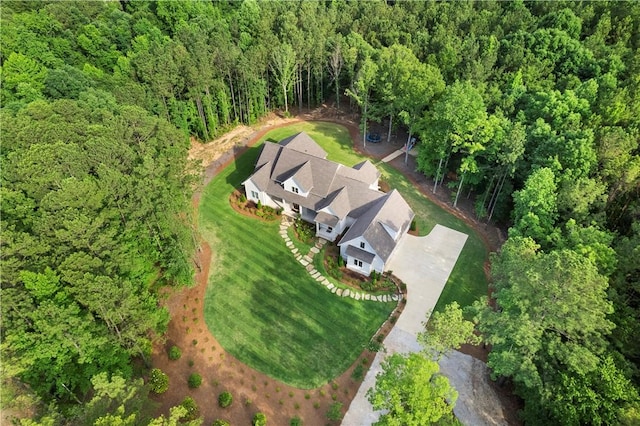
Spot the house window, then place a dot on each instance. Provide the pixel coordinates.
(295, 207)
(254, 194)
(361, 245)
(329, 229)
(294, 189)
(357, 262)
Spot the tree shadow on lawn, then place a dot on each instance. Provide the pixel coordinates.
(243, 161)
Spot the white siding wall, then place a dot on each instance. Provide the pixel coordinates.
(290, 184)
(264, 199)
(321, 230)
(365, 269)
(377, 264)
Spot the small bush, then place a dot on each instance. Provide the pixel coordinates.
(316, 405)
(174, 353)
(193, 412)
(243, 198)
(334, 386)
(307, 396)
(358, 373)
(225, 399)
(190, 363)
(374, 346)
(295, 421)
(334, 412)
(380, 337)
(259, 420)
(341, 261)
(195, 380)
(259, 206)
(413, 225)
(158, 381)
(220, 422)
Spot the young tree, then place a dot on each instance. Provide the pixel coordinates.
(535, 207)
(457, 124)
(283, 66)
(336, 61)
(361, 91)
(411, 391)
(446, 331)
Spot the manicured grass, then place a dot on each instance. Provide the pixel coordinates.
(262, 305)
(467, 281)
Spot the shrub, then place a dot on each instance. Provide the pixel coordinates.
(334, 412)
(220, 422)
(358, 373)
(243, 198)
(259, 205)
(259, 420)
(295, 421)
(195, 380)
(341, 261)
(413, 225)
(374, 346)
(192, 409)
(225, 399)
(158, 381)
(175, 353)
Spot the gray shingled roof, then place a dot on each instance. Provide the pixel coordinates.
(358, 253)
(302, 142)
(346, 191)
(391, 210)
(327, 219)
(304, 177)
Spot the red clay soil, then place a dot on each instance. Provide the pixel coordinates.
(252, 390)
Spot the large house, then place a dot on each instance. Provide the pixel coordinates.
(295, 176)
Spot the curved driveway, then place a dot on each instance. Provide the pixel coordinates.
(424, 265)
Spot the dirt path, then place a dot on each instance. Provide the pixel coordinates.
(201, 353)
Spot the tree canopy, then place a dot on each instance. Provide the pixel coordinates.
(530, 109)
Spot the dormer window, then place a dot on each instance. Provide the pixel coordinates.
(294, 190)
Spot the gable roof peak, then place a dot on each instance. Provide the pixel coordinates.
(302, 142)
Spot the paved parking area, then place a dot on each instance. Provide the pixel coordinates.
(424, 264)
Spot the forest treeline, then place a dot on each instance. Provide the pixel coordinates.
(532, 108)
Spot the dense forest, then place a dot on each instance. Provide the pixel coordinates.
(532, 108)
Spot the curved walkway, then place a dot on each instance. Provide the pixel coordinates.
(424, 265)
(306, 260)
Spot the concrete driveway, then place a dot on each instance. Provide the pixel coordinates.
(424, 264)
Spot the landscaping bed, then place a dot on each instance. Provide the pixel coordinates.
(376, 283)
(239, 202)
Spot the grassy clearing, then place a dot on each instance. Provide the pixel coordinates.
(467, 281)
(262, 305)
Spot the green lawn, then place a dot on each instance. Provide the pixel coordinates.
(261, 304)
(467, 281)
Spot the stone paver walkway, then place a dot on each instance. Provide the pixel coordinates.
(424, 265)
(306, 260)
